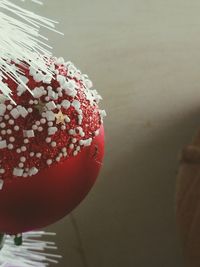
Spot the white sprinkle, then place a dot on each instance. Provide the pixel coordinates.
(102, 113)
(47, 79)
(60, 61)
(23, 148)
(2, 109)
(43, 120)
(33, 171)
(40, 128)
(6, 117)
(22, 159)
(2, 171)
(49, 161)
(48, 140)
(75, 153)
(64, 149)
(11, 122)
(47, 98)
(32, 154)
(66, 104)
(24, 79)
(38, 77)
(18, 150)
(86, 142)
(76, 104)
(63, 127)
(58, 159)
(51, 105)
(34, 127)
(52, 130)
(16, 128)
(2, 125)
(21, 89)
(74, 140)
(3, 132)
(59, 89)
(96, 132)
(37, 123)
(9, 107)
(61, 79)
(78, 148)
(21, 165)
(38, 92)
(9, 131)
(51, 94)
(50, 123)
(30, 110)
(71, 146)
(53, 144)
(3, 144)
(70, 92)
(25, 174)
(71, 132)
(18, 172)
(26, 141)
(12, 139)
(88, 83)
(38, 155)
(31, 102)
(80, 119)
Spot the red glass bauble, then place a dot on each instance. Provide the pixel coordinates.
(51, 146)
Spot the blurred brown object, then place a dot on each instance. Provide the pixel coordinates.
(188, 202)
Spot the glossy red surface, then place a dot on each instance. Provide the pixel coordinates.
(37, 201)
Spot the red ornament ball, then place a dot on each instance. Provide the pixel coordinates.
(51, 145)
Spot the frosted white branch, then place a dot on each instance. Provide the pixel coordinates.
(30, 254)
(20, 41)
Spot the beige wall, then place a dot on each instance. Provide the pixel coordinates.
(144, 58)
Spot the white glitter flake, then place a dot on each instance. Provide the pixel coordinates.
(3, 144)
(2, 109)
(18, 172)
(66, 104)
(15, 113)
(50, 116)
(28, 133)
(52, 130)
(51, 105)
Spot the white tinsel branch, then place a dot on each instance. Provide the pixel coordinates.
(20, 41)
(30, 254)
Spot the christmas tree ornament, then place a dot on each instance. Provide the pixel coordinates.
(51, 133)
(51, 146)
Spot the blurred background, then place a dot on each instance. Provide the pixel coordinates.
(144, 59)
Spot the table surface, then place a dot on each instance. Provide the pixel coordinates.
(144, 59)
